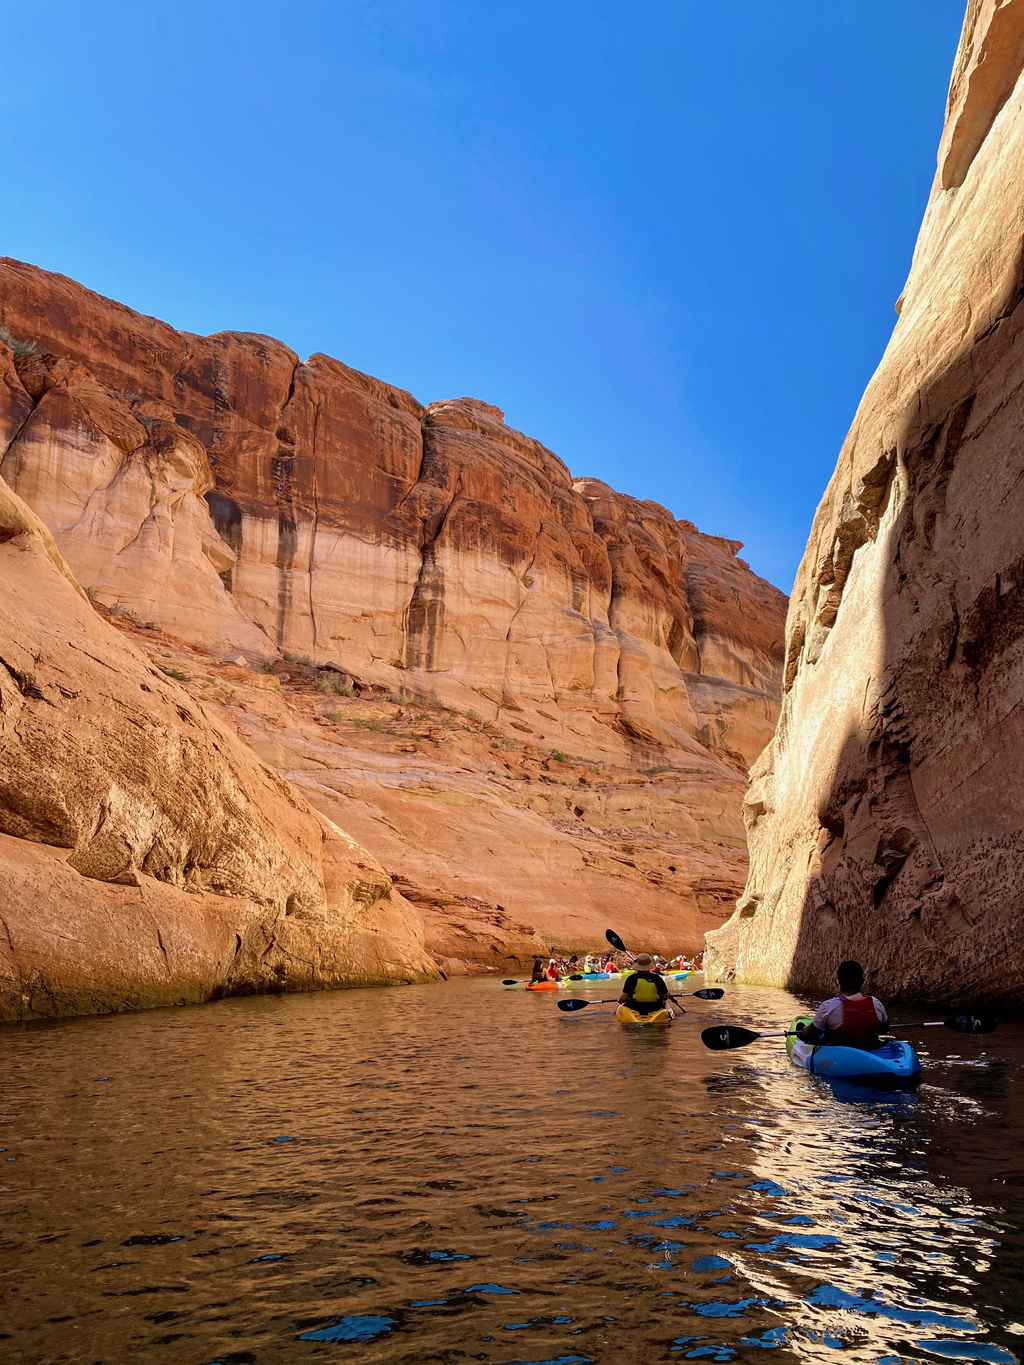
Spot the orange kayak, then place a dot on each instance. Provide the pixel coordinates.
(542, 985)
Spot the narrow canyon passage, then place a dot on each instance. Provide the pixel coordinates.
(457, 1171)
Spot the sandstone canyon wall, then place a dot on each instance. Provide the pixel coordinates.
(557, 687)
(885, 819)
(232, 494)
(147, 856)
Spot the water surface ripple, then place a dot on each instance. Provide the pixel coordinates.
(459, 1172)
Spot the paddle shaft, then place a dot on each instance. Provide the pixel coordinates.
(687, 995)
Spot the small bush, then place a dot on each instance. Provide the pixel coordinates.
(558, 756)
(91, 593)
(265, 666)
(335, 716)
(119, 609)
(333, 684)
(18, 347)
(175, 673)
(399, 698)
(472, 715)
(298, 659)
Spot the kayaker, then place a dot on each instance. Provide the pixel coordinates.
(539, 974)
(644, 990)
(552, 972)
(849, 1019)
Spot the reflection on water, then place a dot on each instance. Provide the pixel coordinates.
(460, 1172)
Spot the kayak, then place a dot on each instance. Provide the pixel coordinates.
(627, 1016)
(894, 1063)
(595, 976)
(542, 985)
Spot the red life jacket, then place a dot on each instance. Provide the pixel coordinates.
(859, 1022)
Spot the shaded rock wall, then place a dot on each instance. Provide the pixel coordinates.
(886, 819)
(147, 856)
(235, 495)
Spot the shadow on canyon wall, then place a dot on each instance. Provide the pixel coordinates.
(917, 866)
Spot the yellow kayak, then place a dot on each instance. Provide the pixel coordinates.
(627, 1016)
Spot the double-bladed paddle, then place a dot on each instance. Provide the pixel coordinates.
(619, 946)
(571, 1006)
(725, 1037)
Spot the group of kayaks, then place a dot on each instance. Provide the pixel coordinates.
(895, 1063)
(567, 982)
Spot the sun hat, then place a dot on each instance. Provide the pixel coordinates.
(643, 959)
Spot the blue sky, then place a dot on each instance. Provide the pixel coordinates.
(665, 237)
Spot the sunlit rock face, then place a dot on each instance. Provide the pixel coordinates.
(147, 856)
(618, 669)
(229, 492)
(885, 819)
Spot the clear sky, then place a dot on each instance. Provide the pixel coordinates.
(664, 236)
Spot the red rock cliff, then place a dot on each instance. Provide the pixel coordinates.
(225, 490)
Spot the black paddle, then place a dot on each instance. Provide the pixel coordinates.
(617, 942)
(620, 947)
(725, 1037)
(571, 1006)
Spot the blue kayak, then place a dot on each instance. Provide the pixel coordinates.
(595, 976)
(894, 1063)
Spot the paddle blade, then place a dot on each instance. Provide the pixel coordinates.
(510, 982)
(615, 941)
(972, 1022)
(576, 977)
(709, 993)
(726, 1036)
(570, 1006)
(574, 958)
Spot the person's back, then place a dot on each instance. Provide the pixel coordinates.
(849, 1019)
(644, 990)
(539, 974)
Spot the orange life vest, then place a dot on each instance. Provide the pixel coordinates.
(859, 1022)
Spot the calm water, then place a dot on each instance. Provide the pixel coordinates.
(459, 1172)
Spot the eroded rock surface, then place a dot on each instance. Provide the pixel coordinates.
(236, 496)
(886, 820)
(505, 845)
(147, 856)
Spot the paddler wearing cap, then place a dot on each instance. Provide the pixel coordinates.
(644, 990)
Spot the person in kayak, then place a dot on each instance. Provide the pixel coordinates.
(644, 990)
(539, 972)
(849, 1019)
(552, 972)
